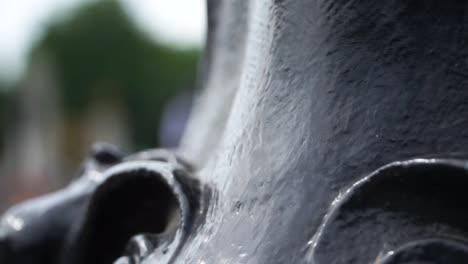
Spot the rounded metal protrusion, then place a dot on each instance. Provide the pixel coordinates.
(142, 209)
(404, 201)
(429, 251)
(106, 154)
(123, 260)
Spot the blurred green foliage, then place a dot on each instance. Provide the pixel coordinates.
(3, 116)
(99, 53)
(7, 110)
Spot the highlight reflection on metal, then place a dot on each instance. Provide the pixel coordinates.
(397, 220)
(13, 221)
(142, 201)
(302, 100)
(386, 210)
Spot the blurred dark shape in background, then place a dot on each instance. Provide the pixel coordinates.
(174, 120)
(94, 76)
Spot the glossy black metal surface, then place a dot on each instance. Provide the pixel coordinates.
(329, 92)
(429, 251)
(405, 212)
(303, 102)
(145, 202)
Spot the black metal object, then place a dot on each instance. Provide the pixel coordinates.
(143, 202)
(406, 212)
(302, 101)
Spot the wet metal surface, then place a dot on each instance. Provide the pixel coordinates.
(396, 219)
(304, 101)
(139, 205)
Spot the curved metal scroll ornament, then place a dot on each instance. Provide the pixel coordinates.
(300, 99)
(396, 219)
(122, 209)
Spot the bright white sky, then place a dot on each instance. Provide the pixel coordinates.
(181, 22)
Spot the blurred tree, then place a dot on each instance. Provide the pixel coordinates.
(7, 104)
(3, 116)
(99, 53)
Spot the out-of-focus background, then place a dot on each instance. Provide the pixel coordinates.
(73, 72)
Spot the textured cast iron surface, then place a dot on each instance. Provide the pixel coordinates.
(330, 91)
(137, 206)
(303, 102)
